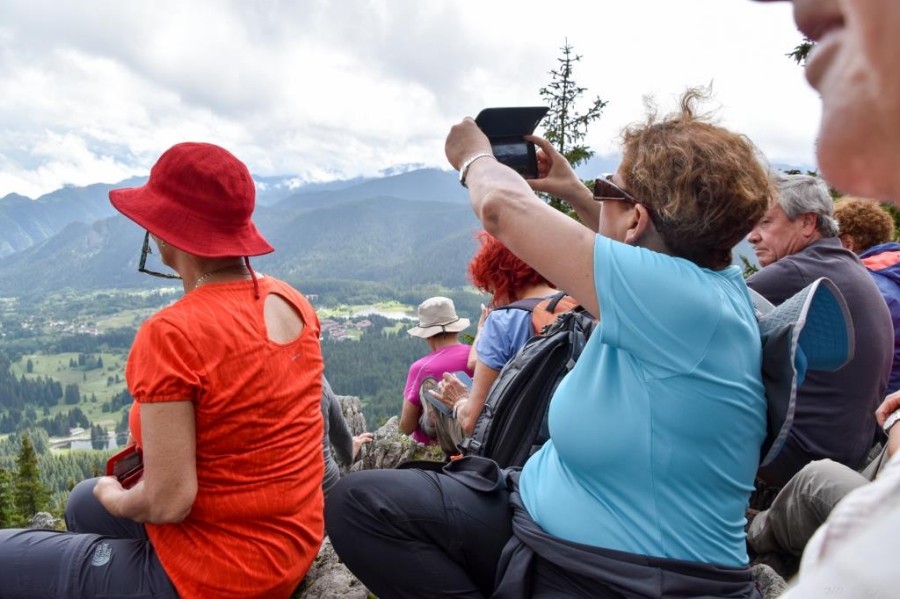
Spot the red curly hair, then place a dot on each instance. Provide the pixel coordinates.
(496, 270)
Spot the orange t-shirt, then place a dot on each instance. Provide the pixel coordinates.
(257, 522)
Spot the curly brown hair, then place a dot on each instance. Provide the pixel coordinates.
(867, 222)
(707, 186)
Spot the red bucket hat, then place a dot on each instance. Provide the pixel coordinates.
(199, 198)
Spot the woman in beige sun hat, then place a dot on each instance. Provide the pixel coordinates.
(439, 325)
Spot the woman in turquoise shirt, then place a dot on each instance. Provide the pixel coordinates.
(655, 434)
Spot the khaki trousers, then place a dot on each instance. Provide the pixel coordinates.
(803, 505)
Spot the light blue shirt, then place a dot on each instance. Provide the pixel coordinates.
(503, 335)
(655, 434)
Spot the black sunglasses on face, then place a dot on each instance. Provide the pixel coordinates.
(145, 249)
(605, 189)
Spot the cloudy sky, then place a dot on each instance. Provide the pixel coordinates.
(94, 90)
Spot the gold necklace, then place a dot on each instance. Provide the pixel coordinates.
(205, 276)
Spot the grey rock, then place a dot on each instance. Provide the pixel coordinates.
(353, 413)
(43, 520)
(768, 581)
(329, 579)
(390, 448)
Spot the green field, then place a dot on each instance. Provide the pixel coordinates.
(349, 311)
(126, 318)
(90, 382)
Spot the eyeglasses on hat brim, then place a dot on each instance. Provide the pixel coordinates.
(145, 250)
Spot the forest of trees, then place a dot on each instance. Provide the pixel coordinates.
(373, 369)
(22, 494)
(33, 479)
(26, 402)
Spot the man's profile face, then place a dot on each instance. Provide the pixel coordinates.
(777, 236)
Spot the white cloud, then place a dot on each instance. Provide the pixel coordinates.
(96, 90)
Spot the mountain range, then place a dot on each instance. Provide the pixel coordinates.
(412, 228)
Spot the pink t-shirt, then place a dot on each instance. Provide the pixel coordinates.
(447, 359)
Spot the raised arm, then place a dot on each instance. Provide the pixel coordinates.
(559, 180)
(510, 211)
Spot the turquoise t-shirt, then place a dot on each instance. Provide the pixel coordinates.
(655, 434)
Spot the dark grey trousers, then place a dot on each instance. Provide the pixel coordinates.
(414, 534)
(100, 556)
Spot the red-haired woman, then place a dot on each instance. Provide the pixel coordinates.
(501, 333)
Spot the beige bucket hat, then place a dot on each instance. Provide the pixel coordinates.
(438, 315)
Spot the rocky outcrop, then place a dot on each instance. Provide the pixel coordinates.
(46, 521)
(390, 447)
(328, 577)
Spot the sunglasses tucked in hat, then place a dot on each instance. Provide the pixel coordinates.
(438, 315)
(199, 198)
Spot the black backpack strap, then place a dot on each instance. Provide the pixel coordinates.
(554, 301)
(528, 304)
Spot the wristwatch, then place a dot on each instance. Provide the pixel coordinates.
(891, 420)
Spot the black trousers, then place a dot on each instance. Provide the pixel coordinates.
(413, 533)
(100, 556)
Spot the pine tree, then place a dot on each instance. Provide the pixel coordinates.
(29, 494)
(566, 128)
(72, 395)
(6, 507)
(801, 51)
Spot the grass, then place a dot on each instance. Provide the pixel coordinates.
(126, 318)
(94, 381)
(347, 311)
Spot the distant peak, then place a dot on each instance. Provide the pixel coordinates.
(401, 169)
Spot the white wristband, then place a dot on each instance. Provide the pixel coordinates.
(891, 420)
(464, 170)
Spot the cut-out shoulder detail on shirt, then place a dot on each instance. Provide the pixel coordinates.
(283, 322)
